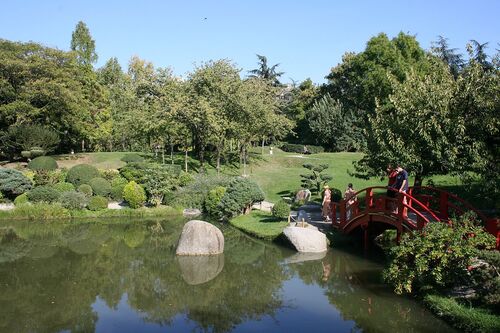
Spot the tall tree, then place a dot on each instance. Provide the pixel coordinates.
(83, 44)
(450, 56)
(265, 72)
(478, 52)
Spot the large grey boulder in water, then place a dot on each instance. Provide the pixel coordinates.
(200, 269)
(200, 238)
(306, 239)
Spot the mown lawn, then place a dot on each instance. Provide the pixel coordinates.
(259, 224)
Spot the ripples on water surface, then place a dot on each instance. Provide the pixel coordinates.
(125, 277)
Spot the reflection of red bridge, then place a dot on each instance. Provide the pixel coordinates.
(406, 212)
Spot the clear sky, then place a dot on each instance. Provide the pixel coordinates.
(305, 37)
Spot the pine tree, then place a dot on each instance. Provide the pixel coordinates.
(83, 44)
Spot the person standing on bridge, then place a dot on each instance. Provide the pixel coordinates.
(350, 198)
(401, 185)
(391, 191)
(327, 200)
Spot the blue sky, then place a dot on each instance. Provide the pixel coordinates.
(306, 37)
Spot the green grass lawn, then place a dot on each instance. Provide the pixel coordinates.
(259, 224)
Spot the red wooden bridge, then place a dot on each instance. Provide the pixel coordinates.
(406, 212)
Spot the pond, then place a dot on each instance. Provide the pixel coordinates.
(123, 276)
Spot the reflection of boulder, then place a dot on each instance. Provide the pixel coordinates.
(200, 269)
(306, 239)
(305, 256)
(200, 238)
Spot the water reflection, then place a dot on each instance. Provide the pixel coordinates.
(87, 277)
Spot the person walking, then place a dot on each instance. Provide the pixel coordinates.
(327, 200)
(350, 198)
(401, 185)
(392, 173)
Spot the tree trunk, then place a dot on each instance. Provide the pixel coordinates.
(171, 153)
(218, 161)
(263, 140)
(83, 145)
(186, 160)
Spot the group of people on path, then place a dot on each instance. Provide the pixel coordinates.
(398, 183)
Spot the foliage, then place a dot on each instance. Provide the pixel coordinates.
(21, 199)
(45, 163)
(185, 178)
(85, 189)
(259, 224)
(316, 180)
(334, 126)
(64, 187)
(46, 177)
(463, 317)
(241, 194)
(265, 72)
(13, 182)
(194, 194)
(281, 210)
(298, 148)
(158, 181)
(83, 44)
(117, 185)
(97, 203)
(109, 174)
(213, 199)
(82, 174)
(38, 211)
(486, 277)
(44, 193)
(134, 194)
(35, 139)
(100, 186)
(437, 256)
(73, 200)
(136, 158)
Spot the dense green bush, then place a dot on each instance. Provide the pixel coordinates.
(194, 194)
(437, 256)
(213, 199)
(486, 277)
(35, 139)
(109, 174)
(21, 199)
(64, 187)
(46, 177)
(82, 174)
(240, 195)
(117, 185)
(298, 148)
(281, 210)
(13, 183)
(100, 186)
(85, 189)
(137, 172)
(73, 200)
(159, 180)
(134, 194)
(185, 178)
(97, 203)
(43, 163)
(132, 158)
(44, 193)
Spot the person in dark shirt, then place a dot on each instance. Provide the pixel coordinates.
(401, 185)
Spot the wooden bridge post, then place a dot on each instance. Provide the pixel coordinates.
(443, 205)
(343, 220)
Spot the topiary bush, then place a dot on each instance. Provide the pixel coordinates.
(117, 185)
(240, 195)
(195, 193)
(97, 203)
(134, 194)
(299, 148)
(185, 178)
(45, 163)
(21, 199)
(132, 158)
(44, 193)
(82, 174)
(281, 210)
(100, 186)
(64, 187)
(213, 199)
(13, 183)
(109, 174)
(85, 189)
(73, 200)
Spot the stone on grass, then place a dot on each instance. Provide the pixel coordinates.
(200, 238)
(306, 239)
(200, 269)
(191, 212)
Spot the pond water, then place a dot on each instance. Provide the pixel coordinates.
(124, 277)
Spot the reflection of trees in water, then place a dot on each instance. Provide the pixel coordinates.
(52, 290)
(354, 287)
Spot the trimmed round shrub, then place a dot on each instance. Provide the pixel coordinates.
(117, 185)
(281, 210)
(97, 203)
(37, 151)
(64, 187)
(213, 199)
(185, 178)
(44, 193)
(13, 183)
(240, 195)
(100, 186)
(73, 200)
(85, 189)
(109, 174)
(132, 158)
(46, 163)
(82, 174)
(134, 194)
(21, 199)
